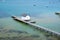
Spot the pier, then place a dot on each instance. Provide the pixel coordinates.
(51, 32)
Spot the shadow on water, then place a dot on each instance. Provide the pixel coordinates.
(58, 14)
(21, 22)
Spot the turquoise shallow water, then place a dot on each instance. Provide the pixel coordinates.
(52, 22)
(43, 12)
(9, 24)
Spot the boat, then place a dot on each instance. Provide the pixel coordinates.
(20, 20)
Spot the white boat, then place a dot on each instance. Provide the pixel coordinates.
(18, 19)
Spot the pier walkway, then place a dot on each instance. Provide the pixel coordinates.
(38, 27)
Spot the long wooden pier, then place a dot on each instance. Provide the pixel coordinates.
(51, 32)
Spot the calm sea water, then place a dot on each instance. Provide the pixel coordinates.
(42, 11)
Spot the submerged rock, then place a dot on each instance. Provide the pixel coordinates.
(35, 36)
(15, 31)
